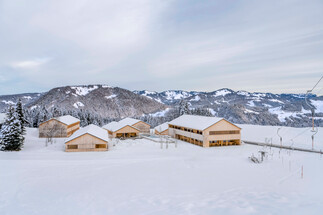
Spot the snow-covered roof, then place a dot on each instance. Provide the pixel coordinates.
(162, 127)
(129, 121)
(195, 122)
(3, 117)
(115, 126)
(67, 119)
(92, 130)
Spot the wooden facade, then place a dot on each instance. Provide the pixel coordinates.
(124, 132)
(142, 127)
(221, 133)
(56, 129)
(86, 143)
(165, 132)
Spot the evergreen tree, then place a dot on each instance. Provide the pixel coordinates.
(183, 107)
(12, 137)
(21, 116)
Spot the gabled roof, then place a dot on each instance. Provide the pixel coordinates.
(129, 121)
(91, 129)
(67, 119)
(196, 122)
(162, 127)
(115, 126)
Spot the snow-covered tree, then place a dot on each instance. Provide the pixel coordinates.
(21, 116)
(183, 107)
(12, 137)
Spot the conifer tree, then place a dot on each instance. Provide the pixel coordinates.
(21, 116)
(12, 137)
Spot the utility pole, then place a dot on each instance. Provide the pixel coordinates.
(280, 137)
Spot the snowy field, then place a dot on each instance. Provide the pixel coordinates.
(138, 177)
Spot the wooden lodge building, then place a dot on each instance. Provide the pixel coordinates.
(89, 138)
(205, 131)
(121, 130)
(162, 129)
(63, 126)
(136, 123)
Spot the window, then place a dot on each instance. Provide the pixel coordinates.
(100, 146)
(223, 132)
(72, 146)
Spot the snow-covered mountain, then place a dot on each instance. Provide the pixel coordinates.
(25, 98)
(236, 106)
(247, 107)
(103, 100)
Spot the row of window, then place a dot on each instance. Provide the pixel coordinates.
(223, 132)
(97, 146)
(186, 129)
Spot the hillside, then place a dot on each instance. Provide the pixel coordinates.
(106, 101)
(236, 106)
(246, 107)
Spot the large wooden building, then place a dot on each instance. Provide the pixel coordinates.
(89, 138)
(121, 130)
(136, 123)
(63, 126)
(162, 129)
(205, 131)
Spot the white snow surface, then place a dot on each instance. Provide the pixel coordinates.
(27, 97)
(3, 117)
(78, 104)
(162, 127)
(115, 126)
(175, 95)
(318, 105)
(196, 98)
(282, 115)
(111, 96)
(129, 121)
(8, 102)
(138, 177)
(82, 91)
(221, 92)
(92, 130)
(67, 119)
(195, 122)
(160, 113)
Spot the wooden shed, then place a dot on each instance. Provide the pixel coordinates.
(136, 123)
(162, 129)
(121, 130)
(205, 131)
(63, 126)
(89, 138)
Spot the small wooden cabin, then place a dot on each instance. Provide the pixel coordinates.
(205, 131)
(63, 126)
(136, 123)
(89, 138)
(162, 129)
(121, 130)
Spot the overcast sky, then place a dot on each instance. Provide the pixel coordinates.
(263, 46)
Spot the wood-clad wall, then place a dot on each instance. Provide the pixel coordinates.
(86, 142)
(142, 127)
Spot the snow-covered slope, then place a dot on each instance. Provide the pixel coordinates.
(247, 107)
(138, 177)
(102, 100)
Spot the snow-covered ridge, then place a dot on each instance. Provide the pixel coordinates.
(221, 92)
(8, 102)
(82, 91)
